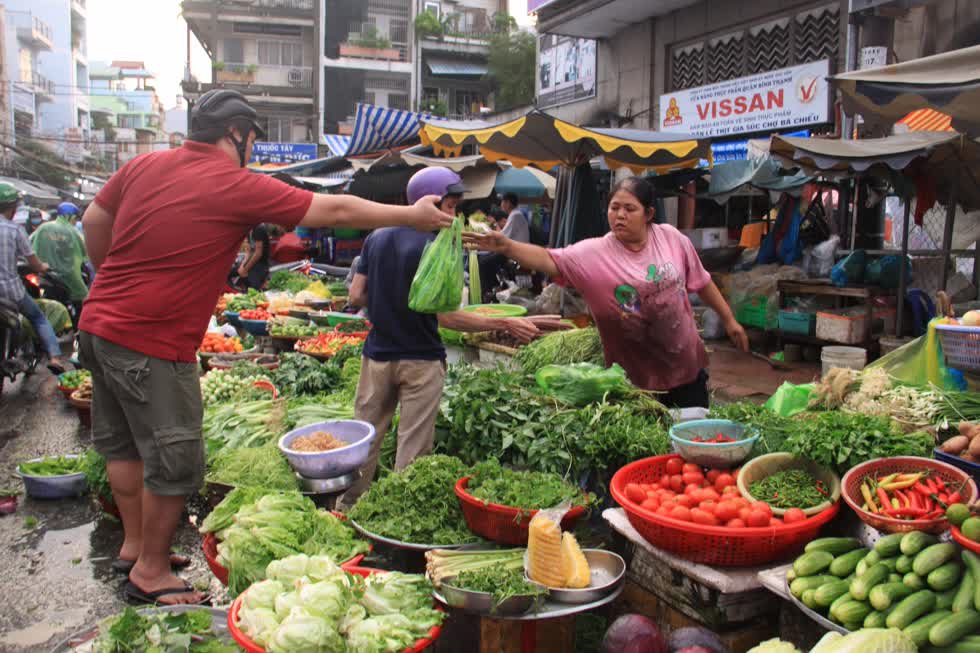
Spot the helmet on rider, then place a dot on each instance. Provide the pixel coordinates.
(433, 181)
(216, 112)
(9, 196)
(67, 209)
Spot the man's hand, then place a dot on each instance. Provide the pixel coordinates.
(45, 268)
(737, 335)
(522, 329)
(493, 241)
(428, 216)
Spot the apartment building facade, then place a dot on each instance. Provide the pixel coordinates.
(127, 113)
(268, 50)
(46, 48)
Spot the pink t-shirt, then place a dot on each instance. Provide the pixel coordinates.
(639, 302)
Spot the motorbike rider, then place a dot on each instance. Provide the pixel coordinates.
(61, 247)
(14, 245)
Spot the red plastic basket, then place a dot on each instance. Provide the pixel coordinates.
(851, 491)
(502, 523)
(251, 647)
(711, 545)
(963, 540)
(210, 548)
(109, 506)
(67, 392)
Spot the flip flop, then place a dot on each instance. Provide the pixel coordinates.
(56, 369)
(137, 595)
(126, 566)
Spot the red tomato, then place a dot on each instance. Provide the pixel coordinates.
(744, 512)
(742, 502)
(690, 468)
(757, 518)
(650, 504)
(735, 473)
(676, 483)
(775, 521)
(726, 511)
(701, 516)
(708, 506)
(692, 488)
(664, 481)
(663, 510)
(675, 466)
(635, 493)
(685, 500)
(693, 477)
(731, 491)
(664, 495)
(735, 523)
(712, 474)
(761, 506)
(794, 515)
(710, 493)
(682, 513)
(723, 481)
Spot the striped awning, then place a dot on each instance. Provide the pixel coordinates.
(927, 120)
(379, 128)
(448, 67)
(337, 144)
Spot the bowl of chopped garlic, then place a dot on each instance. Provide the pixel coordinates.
(328, 449)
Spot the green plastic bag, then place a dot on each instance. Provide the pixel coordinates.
(790, 399)
(580, 384)
(476, 289)
(919, 362)
(56, 314)
(438, 283)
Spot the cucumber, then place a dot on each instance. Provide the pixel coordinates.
(903, 564)
(843, 598)
(894, 578)
(972, 563)
(944, 600)
(790, 575)
(891, 563)
(933, 557)
(862, 586)
(914, 580)
(844, 565)
(808, 599)
(876, 619)
(833, 545)
(954, 627)
(829, 592)
(915, 541)
(861, 568)
(964, 595)
(883, 596)
(813, 563)
(969, 644)
(890, 545)
(872, 558)
(918, 630)
(945, 576)
(800, 585)
(911, 608)
(852, 611)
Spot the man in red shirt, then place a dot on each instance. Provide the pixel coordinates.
(163, 233)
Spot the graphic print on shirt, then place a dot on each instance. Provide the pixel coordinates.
(628, 299)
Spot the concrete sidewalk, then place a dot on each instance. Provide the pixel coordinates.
(739, 377)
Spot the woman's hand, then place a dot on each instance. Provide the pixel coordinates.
(493, 241)
(522, 329)
(737, 335)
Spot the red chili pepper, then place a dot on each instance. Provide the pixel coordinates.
(903, 498)
(944, 498)
(883, 497)
(940, 484)
(922, 489)
(898, 513)
(931, 485)
(914, 499)
(821, 490)
(955, 497)
(935, 514)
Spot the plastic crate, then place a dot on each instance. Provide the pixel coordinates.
(796, 322)
(961, 346)
(845, 326)
(973, 469)
(752, 312)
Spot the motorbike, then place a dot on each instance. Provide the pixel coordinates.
(19, 353)
(50, 286)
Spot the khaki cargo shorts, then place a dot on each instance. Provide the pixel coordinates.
(148, 409)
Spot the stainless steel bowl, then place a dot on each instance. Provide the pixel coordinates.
(608, 573)
(326, 485)
(334, 463)
(482, 602)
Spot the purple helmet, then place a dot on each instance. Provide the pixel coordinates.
(433, 181)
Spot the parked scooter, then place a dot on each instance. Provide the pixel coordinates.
(50, 286)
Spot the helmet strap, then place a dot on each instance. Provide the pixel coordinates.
(240, 145)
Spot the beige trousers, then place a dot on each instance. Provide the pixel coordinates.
(415, 386)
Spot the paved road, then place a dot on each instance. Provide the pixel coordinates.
(55, 575)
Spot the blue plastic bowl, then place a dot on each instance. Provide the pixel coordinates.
(53, 487)
(330, 464)
(255, 327)
(232, 317)
(719, 454)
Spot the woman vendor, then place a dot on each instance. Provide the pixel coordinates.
(635, 280)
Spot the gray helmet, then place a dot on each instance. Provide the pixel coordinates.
(220, 108)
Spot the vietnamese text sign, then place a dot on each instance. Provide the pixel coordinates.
(780, 99)
(283, 153)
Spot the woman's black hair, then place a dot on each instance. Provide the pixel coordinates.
(639, 187)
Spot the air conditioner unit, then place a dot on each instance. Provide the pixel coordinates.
(295, 76)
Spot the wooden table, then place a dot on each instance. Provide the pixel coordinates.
(826, 289)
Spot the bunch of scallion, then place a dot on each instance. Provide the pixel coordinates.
(441, 564)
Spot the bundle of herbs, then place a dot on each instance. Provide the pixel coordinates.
(499, 582)
(491, 482)
(163, 632)
(93, 465)
(773, 428)
(260, 467)
(562, 348)
(299, 374)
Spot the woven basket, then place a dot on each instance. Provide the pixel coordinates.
(769, 464)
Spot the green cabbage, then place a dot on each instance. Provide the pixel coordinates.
(261, 622)
(396, 592)
(774, 646)
(867, 640)
(438, 283)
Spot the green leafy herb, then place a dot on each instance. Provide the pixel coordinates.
(247, 369)
(492, 483)
(299, 374)
(74, 378)
(562, 348)
(773, 429)
(185, 632)
(52, 466)
(417, 504)
(790, 488)
(264, 467)
(292, 282)
(30, 522)
(93, 465)
(500, 582)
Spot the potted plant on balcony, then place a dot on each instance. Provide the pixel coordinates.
(427, 25)
(369, 44)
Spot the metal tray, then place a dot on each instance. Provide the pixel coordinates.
(481, 603)
(398, 544)
(76, 642)
(549, 609)
(816, 616)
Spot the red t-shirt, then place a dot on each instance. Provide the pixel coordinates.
(180, 217)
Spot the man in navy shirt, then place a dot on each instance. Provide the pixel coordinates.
(404, 360)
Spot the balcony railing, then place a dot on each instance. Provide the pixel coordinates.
(38, 33)
(42, 84)
(289, 76)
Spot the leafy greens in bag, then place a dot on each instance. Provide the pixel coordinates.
(580, 384)
(438, 283)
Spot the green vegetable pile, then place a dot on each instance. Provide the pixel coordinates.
(579, 384)
(291, 282)
(791, 488)
(220, 386)
(492, 483)
(438, 283)
(417, 504)
(258, 467)
(299, 374)
(562, 348)
(52, 466)
(295, 330)
(773, 428)
(840, 441)
(243, 424)
(96, 476)
(185, 632)
(246, 301)
(254, 528)
(352, 326)
(74, 378)
(310, 604)
(502, 583)
(247, 369)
